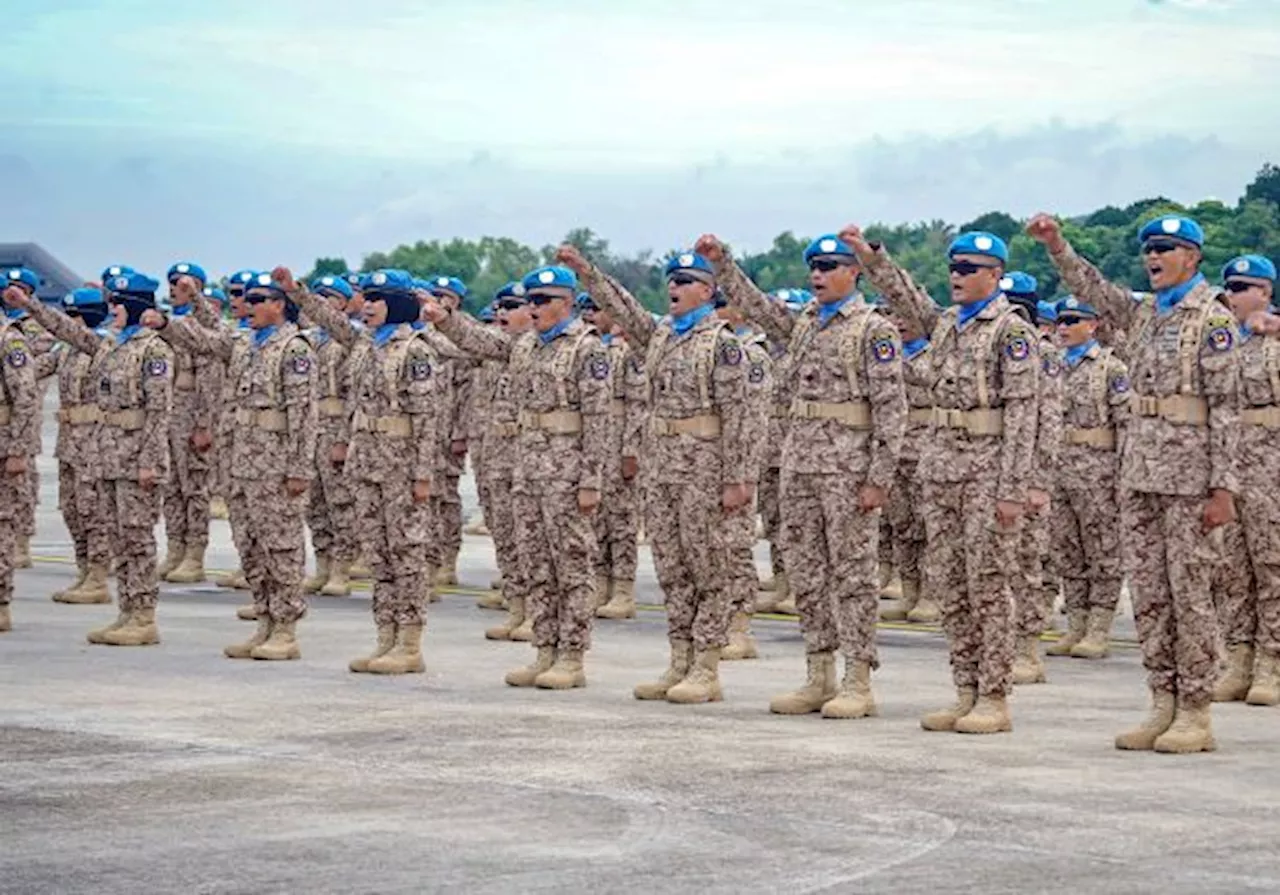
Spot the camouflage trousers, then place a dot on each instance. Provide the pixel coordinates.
(832, 552)
(743, 581)
(905, 525)
(270, 537)
(501, 519)
(771, 516)
(1086, 544)
(331, 510)
(1169, 559)
(394, 534)
(557, 548)
(689, 535)
(447, 508)
(131, 513)
(1032, 594)
(186, 496)
(28, 500)
(10, 504)
(617, 524)
(1246, 588)
(972, 564)
(81, 504)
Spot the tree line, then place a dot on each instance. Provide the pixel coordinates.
(1106, 236)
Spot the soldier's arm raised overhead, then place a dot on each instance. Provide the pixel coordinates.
(738, 288)
(54, 321)
(469, 335)
(905, 297)
(882, 359)
(335, 323)
(298, 392)
(1082, 278)
(611, 295)
(426, 411)
(1018, 368)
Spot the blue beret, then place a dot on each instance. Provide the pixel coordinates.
(132, 283)
(794, 299)
(1047, 311)
(510, 290)
(553, 276)
(391, 282)
(447, 284)
(486, 314)
(242, 278)
(1255, 266)
(332, 286)
(1018, 283)
(1075, 307)
(186, 269)
(84, 297)
(114, 270)
(692, 262)
(356, 280)
(828, 245)
(979, 242)
(584, 302)
(263, 282)
(23, 275)
(1174, 226)
(215, 293)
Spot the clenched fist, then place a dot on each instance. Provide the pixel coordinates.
(572, 258)
(710, 247)
(1045, 229)
(852, 236)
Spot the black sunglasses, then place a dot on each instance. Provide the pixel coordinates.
(826, 265)
(543, 298)
(682, 279)
(968, 268)
(258, 298)
(1237, 286)
(1161, 246)
(510, 304)
(1071, 321)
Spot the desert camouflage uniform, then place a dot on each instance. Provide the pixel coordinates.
(19, 428)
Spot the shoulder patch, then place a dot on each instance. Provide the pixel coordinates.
(756, 374)
(17, 357)
(731, 354)
(1220, 338)
(419, 369)
(1018, 348)
(883, 350)
(1119, 384)
(1050, 366)
(598, 366)
(300, 363)
(157, 367)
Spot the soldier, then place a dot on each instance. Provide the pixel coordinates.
(332, 510)
(1248, 588)
(976, 463)
(211, 386)
(742, 528)
(904, 511)
(1086, 512)
(617, 522)
(1179, 465)
(19, 423)
(1034, 598)
(43, 350)
(186, 500)
(271, 377)
(450, 292)
(482, 384)
(563, 400)
(700, 455)
(848, 414)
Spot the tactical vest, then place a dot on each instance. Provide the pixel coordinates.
(272, 359)
(393, 358)
(806, 330)
(946, 329)
(133, 384)
(562, 366)
(704, 349)
(1189, 335)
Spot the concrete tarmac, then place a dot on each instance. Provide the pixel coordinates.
(172, 769)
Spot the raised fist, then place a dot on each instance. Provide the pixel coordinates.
(15, 297)
(851, 235)
(153, 319)
(284, 277)
(186, 288)
(432, 309)
(710, 247)
(572, 258)
(1045, 229)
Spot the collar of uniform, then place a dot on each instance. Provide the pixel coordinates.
(992, 306)
(912, 347)
(1168, 300)
(568, 325)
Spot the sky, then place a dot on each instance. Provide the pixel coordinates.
(246, 134)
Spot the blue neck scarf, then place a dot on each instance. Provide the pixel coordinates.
(606, 338)
(14, 313)
(260, 336)
(556, 331)
(968, 312)
(1168, 299)
(181, 310)
(243, 323)
(827, 311)
(914, 347)
(682, 323)
(1076, 353)
(128, 333)
(102, 331)
(383, 333)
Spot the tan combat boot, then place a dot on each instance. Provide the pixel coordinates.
(945, 719)
(1233, 682)
(191, 569)
(901, 611)
(742, 645)
(247, 613)
(527, 674)
(623, 602)
(565, 674)
(1144, 736)
(604, 591)
(924, 610)
(403, 658)
(1077, 627)
(495, 599)
(476, 526)
(447, 574)
(1097, 642)
(702, 683)
(92, 590)
(524, 633)
(677, 668)
(1265, 689)
(497, 583)
(360, 570)
(98, 635)
(786, 604)
(339, 583)
(855, 699)
(82, 572)
(138, 630)
(234, 580)
(515, 618)
(386, 640)
(884, 577)
(768, 595)
(281, 646)
(989, 715)
(173, 556)
(245, 650)
(320, 578)
(218, 509)
(818, 688)
(6, 618)
(1191, 731)
(22, 556)
(1028, 667)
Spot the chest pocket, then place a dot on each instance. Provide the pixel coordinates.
(1175, 340)
(703, 350)
(1260, 382)
(1098, 387)
(259, 384)
(392, 367)
(971, 361)
(120, 382)
(831, 375)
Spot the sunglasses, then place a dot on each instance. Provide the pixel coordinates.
(543, 298)
(682, 279)
(1161, 246)
(258, 298)
(826, 265)
(510, 304)
(968, 268)
(1238, 286)
(1071, 321)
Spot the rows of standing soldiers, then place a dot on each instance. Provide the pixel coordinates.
(995, 455)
